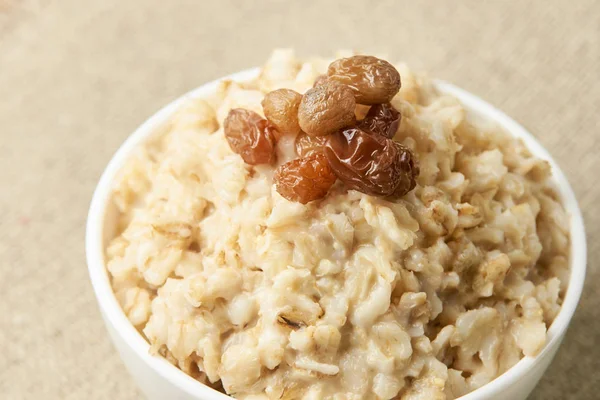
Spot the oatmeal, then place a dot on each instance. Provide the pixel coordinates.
(277, 244)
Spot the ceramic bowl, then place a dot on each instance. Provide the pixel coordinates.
(158, 379)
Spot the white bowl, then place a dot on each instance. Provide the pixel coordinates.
(158, 379)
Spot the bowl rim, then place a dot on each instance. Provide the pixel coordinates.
(113, 314)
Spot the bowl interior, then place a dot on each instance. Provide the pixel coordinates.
(103, 216)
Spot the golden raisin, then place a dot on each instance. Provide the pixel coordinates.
(281, 109)
(304, 179)
(250, 136)
(382, 119)
(371, 164)
(373, 81)
(326, 109)
(307, 145)
(321, 79)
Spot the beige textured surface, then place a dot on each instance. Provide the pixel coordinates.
(77, 77)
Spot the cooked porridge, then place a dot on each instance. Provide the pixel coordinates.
(369, 239)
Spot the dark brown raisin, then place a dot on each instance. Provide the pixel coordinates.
(304, 179)
(250, 136)
(307, 145)
(326, 109)
(410, 166)
(281, 109)
(373, 81)
(371, 164)
(382, 119)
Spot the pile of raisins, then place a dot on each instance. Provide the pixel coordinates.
(330, 143)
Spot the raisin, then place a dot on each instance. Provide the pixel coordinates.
(410, 166)
(361, 111)
(371, 164)
(321, 79)
(326, 109)
(307, 145)
(281, 109)
(382, 119)
(304, 179)
(373, 81)
(250, 136)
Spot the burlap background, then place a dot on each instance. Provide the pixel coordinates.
(76, 77)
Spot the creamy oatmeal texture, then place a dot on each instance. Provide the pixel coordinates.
(352, 296)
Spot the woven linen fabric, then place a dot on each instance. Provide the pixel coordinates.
(78, 76)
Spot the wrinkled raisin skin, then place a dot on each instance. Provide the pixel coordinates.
(373, 81)
(281, 109)
(326, 109)
(307, 145)
(371, 164)
(321, 79)
(382, 119)
(250, 136)
(304, 179)
(410, 166)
